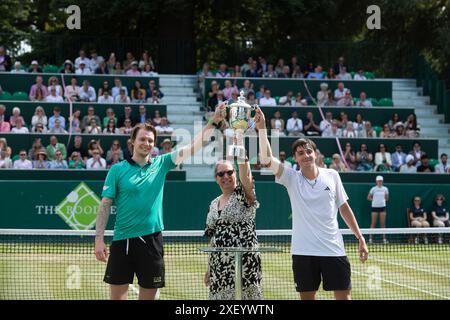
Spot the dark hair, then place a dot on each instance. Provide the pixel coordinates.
(444, 155)
(303, 143)
(424, 156)
(144, 126)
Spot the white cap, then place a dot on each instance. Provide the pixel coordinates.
(34, 62)
(409, 158)
(379, 178)
(17, 63)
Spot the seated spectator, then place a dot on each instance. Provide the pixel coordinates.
(246, 66)
(247, 87)
(115, 148)
(110, 127)
(116, 89)
(106, 98)
(236, 72)
(288, 99)
(93, 127)
(19, 128)
(95, 60)
(5, 60)
(443, 166)
(146, 59)
(118, 69)
(102, 68)
(251, 98)
(38, 91)
(87, 92)
(340, 92)
(38, 118)
(294, 125)
(368, 130)
(359, 126)
(234, 97)
(350, 156)
(344, 75)
(58, 162)
(330, 102)
(322, 95)
(41, 161)
(153, 99)
(310, 127)
(5, 126)
(283, 160)
(76, 161)
(122, 97)
(440, 214)
(72, 91)
(399, 131)
(330, 74)
(127, 64)
(18, 68)
(398, 158)
(94, 145)
(386, 133)
(142, 116)
(166, 146)
(253, 72)
(115, 158)
(110, 115)
(105, 87)
(364, 159)
(3, 116)
(222, 72)
(349, 131)
(55, 146)
(23, 162)
(418, 215)
(68, 67)
(425, 164)
(77, 146)
(394, 120)
(152, 87)
(270, 73)
(53, 82)
(4, 147)
(137, 92)
(277, 124)
(363, 102)
(127, 114)
(201, 75)
(5, 161)
(56, 116)
(229, 89)
(343, 120)
(383, 161)
(317, 74)
(53, 96)
(35, 67)
(279, 66)
(297, 73)
(57, 129)
(39, 128)
(87, 118)
(148, 71)
(267, 100)
(337, 163)
(360, 75)
(127, 127)
(96, 162)
(75, 122)
(263, 66)
(325, 124)
(82, 59)
(83, 69)
(285, 73)
(164, 127)
(134, 70)
(408, 166)
(417, 153)
(411, 126)
(347, 101)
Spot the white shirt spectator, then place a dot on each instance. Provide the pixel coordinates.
(88, 95)
(51, 98)
(294, 125)
(95, 63)
(116, 91)
(164, 129)
(59, 91)
(338, 93)
(408, 169)
(23, 164)
(122, 99)
(366, 103)
(103, 99)
(379, 196)
(85, 71)
(21, 130)
(86, 61)
(91, 164)
(359, 77)
(344, 76)
(267, 102)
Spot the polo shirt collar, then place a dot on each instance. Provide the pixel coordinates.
(134, 163)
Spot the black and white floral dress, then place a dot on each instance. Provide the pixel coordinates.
(233, 226)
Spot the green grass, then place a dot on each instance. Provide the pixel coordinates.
(394, 271)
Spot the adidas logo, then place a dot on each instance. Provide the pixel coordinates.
(327, 189)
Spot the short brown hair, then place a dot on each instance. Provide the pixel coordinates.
(144, 126)
(303, 143)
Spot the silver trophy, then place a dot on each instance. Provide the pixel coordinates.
(240, 115)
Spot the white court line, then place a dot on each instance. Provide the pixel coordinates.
(402, 285)
(411, 267)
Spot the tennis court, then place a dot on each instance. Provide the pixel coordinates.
(40, 264)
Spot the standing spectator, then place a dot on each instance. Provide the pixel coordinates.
(19, 128)
(55, 146)
(87, 118)
(117, 86)
(96, 162)
(38, 118)
(424, 165)
(295, 125)
(280, 65)
(277, 124)
(394, 120)
(23, 162)
(294, 63)
(337, 163)
(267, 100)
(87, 92)
(443, 166)
(223, 72)
(68, 67)
(58, 162)
(164, 127)
(82, 59)
(41, 161)
(56, 116)
(409, 166)
(75, 161)
(106, 98)
(364, 159)
(5, 60)
(383, 160)
(311, 128)
(322, 95)
(363, 102)
(379, 196)
(35, 67)
(57, 129)
(337, 68)
(16, 116)
(72, 91)
(83, 69)
(360, 75)
(18, 68)
(359, 126)
(38, 91)
(398, 158)
(134, 71)
(77, 146)
(417, 153)
(146, 59)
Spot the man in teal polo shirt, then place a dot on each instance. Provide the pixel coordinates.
(136, 185)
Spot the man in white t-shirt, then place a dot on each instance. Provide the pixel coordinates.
(378, 195)
(316, 195)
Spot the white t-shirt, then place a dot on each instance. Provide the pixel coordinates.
(315, 229)
(378, 194)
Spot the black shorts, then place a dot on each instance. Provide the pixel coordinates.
(143, 256)
(381, 209)
(310, 270)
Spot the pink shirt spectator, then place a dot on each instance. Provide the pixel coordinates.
(33, 90)
(23, 164)
(5, 126)
(132, 72)
(227, 92)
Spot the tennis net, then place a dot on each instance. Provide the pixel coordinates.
(60, 264)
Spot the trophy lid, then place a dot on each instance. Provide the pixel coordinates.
(241, 101)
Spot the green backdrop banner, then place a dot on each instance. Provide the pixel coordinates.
(73, 204)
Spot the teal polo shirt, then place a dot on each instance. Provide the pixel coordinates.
(138, 195)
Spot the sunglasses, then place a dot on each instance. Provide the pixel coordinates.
(23, 154)
(440, 199)
(222, 173)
